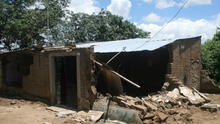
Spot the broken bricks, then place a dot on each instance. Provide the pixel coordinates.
(157, 117)
(149, 105)
(161, 107)
(193, 97)
(130, 102)
(91, 115)
(211, 107)
(149, 116)
(162, 116)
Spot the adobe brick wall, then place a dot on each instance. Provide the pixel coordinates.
(86, 97)
(37, 82)
(185, 61)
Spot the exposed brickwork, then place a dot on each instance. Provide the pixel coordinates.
(185, 61)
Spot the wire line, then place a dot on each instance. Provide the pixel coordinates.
(170, 20)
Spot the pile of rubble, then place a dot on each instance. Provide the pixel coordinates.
(162, 107)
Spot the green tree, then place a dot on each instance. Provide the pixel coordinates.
(103, 26)
(211, 57)
(22, 24)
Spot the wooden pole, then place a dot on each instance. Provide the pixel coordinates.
(122, 77)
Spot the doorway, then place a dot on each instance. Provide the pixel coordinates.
(66, 80)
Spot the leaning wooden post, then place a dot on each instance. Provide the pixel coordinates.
(122, 77)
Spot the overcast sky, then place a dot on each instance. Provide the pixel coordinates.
(198, 17)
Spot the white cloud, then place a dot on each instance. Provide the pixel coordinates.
(217, 20)
(147, 1)
(162, 4)
(152, 17)
(199, 2)
(37, 5)
(120, 7)
(84, 6)
(184, 28)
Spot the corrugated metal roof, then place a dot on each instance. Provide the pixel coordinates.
(117, 46)
(130, 45)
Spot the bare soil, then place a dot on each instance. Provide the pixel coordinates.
(205, 117)
(18, 111)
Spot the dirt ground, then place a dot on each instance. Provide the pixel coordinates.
(204, 117)
(18, 111)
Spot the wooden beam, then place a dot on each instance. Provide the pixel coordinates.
(122, 77)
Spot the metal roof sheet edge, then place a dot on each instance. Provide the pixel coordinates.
(130, 44)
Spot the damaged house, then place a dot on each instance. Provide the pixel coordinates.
(151, 63)
(57, 75)
(68, 75)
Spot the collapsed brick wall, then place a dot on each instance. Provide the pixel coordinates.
(185, 61)
(207, 85)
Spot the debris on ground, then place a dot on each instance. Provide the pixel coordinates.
(116, 112)
(12, 102)
(91, 115)
(61, 112)
(47, 123)
(164, 106)
(177, 105)
(80, 116)
(111, 121)
(211, 107)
